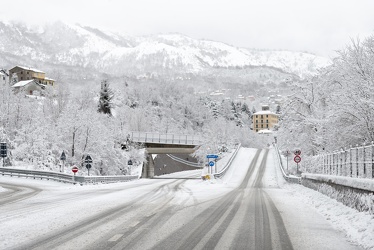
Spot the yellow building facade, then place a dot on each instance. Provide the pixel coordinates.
(264, 119)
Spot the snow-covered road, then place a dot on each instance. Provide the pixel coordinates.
(236, 212)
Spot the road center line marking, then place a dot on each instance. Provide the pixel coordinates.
(115, 237)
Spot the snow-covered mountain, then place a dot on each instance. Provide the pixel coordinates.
(74, 45)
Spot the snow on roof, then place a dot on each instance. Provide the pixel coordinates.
(265, 131)
(3, 72)
(28, 68)
(264, 112)
(50, 79)
(22, 83)
(216, 93)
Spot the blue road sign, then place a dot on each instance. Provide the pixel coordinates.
(211, 163)
(212, 156)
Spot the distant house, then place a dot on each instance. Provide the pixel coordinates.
(264, 119)
(20, 73)
(29, 87)
(3, 76)
(251, 98)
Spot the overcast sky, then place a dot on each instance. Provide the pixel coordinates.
(317, 26)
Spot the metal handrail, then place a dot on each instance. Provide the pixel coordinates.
(228, 164)
(188, 163)
(150, 137)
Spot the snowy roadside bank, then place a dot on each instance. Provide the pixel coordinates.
(358, 227)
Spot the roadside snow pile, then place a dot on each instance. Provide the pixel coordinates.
(357, 226)
(363, 202)
(360, 197)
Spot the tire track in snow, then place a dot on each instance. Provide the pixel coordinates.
(17, 193)
(59, 237)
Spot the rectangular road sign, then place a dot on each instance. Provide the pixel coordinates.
(3, 149)
(212, 156)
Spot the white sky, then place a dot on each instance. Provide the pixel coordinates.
(317, 26)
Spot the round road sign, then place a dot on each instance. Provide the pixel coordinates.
(74, 169)
(297, 159)
(297, 152)
(211, 163)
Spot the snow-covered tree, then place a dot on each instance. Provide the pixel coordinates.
(105, 99)
(336, 108)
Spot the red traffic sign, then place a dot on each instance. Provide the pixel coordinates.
(74, 169)
(297, 159)
(297, 152)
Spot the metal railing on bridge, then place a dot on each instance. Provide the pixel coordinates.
(149, 137)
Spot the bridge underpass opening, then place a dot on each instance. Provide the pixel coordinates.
(165, 159)
(160, 144)
(166, 164)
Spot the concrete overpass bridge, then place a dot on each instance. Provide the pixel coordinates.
(156, 143)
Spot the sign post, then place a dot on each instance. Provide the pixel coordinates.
(88, 161)
(287, 154)
(211, 163)
(74, 170)
(129, 164)
(297, 159)
(63, 159)
(3, 151)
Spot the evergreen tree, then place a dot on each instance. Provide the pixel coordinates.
(253, 111)
(105, 101)
(278, 110)
(214, 109)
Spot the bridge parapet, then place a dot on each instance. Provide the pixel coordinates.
(171, 139)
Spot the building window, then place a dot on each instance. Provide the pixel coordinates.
(267, 125)
(262, 126)
(262, 116)
(21, 78)
(267, 121)
(28, 72)
(256, 121)
(267, 116)
(21, 72)
(262, 121)
(256, 126)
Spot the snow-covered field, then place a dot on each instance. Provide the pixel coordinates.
(309, 216)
